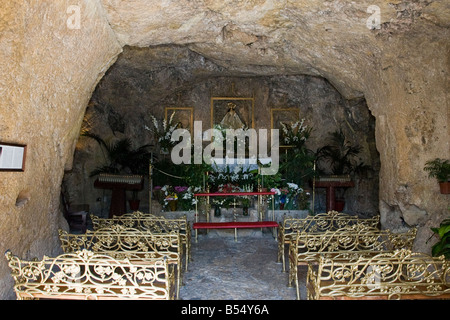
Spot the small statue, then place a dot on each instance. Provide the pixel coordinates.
(231, 119)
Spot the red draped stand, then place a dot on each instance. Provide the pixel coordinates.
(233, 224)
(119, 185)
(331, 190)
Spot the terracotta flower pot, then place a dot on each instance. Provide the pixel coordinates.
(445, 187)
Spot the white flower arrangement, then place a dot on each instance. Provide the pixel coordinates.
(182, 194)
(163, 132)
(295, 134)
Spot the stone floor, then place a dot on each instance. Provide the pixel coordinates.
(246, 269)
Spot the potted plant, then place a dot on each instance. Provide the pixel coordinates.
(442, 247)
(338, 159)
(121, 158)
(245, 202)
(163, 133)
(296, 160)
(339, 155)
(440, 170)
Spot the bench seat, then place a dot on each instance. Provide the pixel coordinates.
(91, 276)
(234, 225)
(395, 275)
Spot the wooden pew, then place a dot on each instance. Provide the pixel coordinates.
(87, 275)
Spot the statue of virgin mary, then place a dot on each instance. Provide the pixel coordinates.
(231, 119)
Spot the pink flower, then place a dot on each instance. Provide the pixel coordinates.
(180, 189)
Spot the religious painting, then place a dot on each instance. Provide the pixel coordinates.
(12, 157)
(183, 117)
(232, 113)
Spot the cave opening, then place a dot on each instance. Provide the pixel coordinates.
(162, 81)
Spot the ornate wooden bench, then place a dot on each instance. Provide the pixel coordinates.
(321, 222)
(235, 225)
(349, 241)
(121, 242)
(400, 274)
(152, 223)
(88, 275)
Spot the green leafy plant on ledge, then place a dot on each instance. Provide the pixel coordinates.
(340, 155)
(121, 157)
(442, 247)
(440, 170)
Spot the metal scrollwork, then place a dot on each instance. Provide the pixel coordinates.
(319, 223)
(88, 275)
(386, 275)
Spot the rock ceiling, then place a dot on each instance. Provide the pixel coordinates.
(331, 39)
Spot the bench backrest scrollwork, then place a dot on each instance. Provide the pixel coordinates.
(88, 275)
(387, 275)
(357, 238)
(322, 222)
(148, 223)
(123, 242)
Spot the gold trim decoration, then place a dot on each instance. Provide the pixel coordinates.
(87, 275)
(151, 223)
(361, 239)
(244, 107)
(121, 242)
(286, 115)
(386, 275)
(321, 222)
(183, 116)
(283, 111)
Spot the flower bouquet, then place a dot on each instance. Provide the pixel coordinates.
(163, 132)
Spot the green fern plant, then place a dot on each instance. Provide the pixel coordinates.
(442, 247)
(121, 157)
(340, 154)
(439, 169)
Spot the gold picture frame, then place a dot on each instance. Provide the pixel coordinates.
(285, 115)
(244, 107)
(183, 115)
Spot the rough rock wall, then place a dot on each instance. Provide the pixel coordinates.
(49, 70)
(401, 69)
(413, 126)
(394, 53)
(144, 81)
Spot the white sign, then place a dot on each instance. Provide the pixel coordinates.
(12, 157)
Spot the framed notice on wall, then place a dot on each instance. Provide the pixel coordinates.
(12, 157)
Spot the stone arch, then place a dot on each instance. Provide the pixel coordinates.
(53, 67)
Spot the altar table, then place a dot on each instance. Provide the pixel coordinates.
(233, 225)
(331, 186)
